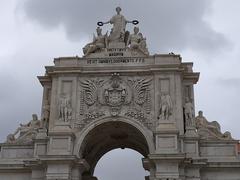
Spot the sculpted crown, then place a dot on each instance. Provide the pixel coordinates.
(119, 42)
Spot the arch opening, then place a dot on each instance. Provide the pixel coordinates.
(120, 164)
(109, 136)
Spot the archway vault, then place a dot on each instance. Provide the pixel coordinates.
(110, 135)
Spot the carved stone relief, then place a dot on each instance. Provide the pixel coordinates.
(46, 114)
(114, 96)
(65, 109)
(165, 106)
(189, 113)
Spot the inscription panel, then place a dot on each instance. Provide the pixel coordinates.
(116, 60)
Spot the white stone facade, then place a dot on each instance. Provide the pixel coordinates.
(119, 97)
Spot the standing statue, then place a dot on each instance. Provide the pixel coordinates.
(65, 110)
(165, 107)
(46, 114)
(189, 113)
(99, 42)
(137, 41)
(119, 24)
(118, 32)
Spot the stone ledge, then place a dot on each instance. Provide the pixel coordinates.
(174, 156)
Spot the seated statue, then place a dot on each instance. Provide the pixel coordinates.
(137, 41)
(210, 129)
(99, 42)
(10, 138)
(25, 128)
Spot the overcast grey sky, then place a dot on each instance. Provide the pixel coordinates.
(205, 32)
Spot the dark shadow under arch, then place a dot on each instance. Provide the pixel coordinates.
(108, 136)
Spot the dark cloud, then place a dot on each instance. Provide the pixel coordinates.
(169, 25)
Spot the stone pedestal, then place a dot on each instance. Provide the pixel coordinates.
(167, 156)
(60, 171)
(166, 137)
(191, 146)
(61, 140)
(116, 45)
(167, 166)
(191, 132)
(40, 143)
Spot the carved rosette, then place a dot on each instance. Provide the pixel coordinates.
(115, 97)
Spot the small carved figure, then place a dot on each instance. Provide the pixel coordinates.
(189, 113)
(134, 38)
(137, 41)
(165, 107)
(210, 129)
(65, 110)
(46, 113)
(99, 42)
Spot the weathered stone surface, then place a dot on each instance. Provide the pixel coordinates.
(119, 96)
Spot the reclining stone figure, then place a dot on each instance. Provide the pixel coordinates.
(98, 43)
(210, 130)
(25, 132)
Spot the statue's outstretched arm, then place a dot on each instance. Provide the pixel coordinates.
(135, 22)
(106, 22)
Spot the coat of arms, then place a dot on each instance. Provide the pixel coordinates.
(115, 95)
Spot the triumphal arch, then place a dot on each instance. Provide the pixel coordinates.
(119, 96)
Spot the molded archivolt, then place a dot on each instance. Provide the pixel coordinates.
(108, 134)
